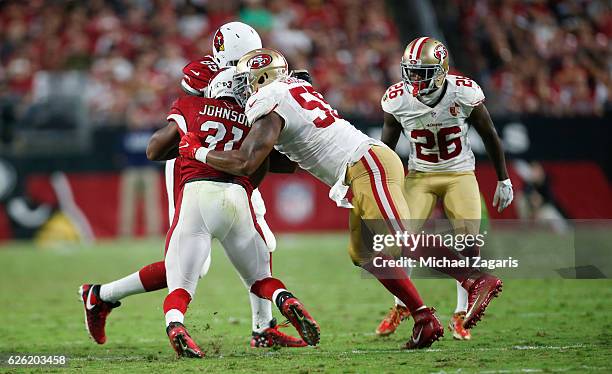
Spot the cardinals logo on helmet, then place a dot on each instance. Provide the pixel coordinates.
(218, 42)
(440, 52)
(260, 61)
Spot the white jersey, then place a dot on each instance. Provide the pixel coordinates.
(314, 135)
(438, 135)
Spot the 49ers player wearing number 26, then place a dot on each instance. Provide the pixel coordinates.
(433, 109)
(288, 115)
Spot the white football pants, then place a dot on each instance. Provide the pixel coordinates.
(258, 207)
(214, 210)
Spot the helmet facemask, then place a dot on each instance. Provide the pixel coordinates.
(247, 83)
(423, 79)
(241, 87)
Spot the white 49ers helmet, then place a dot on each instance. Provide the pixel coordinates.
(424, 65)
(257, 69)
(221, 84)
(232, 41)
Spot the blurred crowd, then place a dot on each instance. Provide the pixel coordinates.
(550, 57)
(131, 52)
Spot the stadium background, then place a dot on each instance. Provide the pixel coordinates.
(83, 84)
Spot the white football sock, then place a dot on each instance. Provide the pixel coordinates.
(261, 312)
(462, 299)
(117, 290)
(174, 315)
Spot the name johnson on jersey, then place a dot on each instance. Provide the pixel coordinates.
(224, 113)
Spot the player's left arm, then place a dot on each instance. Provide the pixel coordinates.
(244, 161)
(480, 119)
(164, 142)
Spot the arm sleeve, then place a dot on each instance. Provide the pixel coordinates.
(390, 104)
(175, 114)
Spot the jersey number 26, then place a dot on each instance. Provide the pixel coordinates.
(442, 140)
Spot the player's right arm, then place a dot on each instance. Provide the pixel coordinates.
(163, 144)
(391, 131)
(391, 103)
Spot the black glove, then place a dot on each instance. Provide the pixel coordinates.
(302, 74)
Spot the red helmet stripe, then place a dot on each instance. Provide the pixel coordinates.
(418, 54)
(417, 45)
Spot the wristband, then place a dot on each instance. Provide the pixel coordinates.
(201, 154)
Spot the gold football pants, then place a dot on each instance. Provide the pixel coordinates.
(459, 193)
(377, 182)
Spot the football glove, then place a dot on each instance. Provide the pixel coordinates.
(503, 195)
(191, 148)
(302, 74)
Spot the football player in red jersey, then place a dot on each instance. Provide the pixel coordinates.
(213, 204)
(230, 42)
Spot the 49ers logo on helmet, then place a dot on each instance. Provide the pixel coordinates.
(218, 41)
(260, 61)
(440, 52)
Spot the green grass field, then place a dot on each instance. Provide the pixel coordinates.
(535, 326)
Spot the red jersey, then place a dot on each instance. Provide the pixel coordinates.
(221, 125)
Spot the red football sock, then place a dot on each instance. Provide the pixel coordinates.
(153, 276)
(178, 299)
(265, 288)
(397, 282)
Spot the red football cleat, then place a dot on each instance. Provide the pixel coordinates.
(96, 311)
(480, 293)
(427, 329)
(456, 326)
(182, 342)
(273, 337)
(305, 325)
(392, 321)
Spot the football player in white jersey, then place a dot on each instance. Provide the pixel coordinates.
(288, 114)
(230, 42)
(434, 109)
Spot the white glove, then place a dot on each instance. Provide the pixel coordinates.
(503, 195)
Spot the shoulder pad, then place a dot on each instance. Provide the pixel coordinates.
(197, 74)
(394, 98)
(264, 101)
(468, 92)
